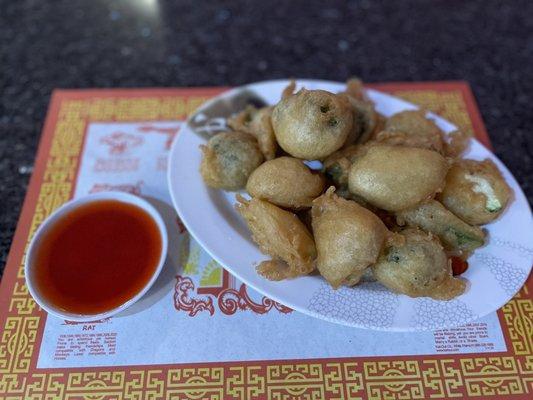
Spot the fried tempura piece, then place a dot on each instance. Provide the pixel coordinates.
(337, 168)
(395, 178)
(348, 237)
(380, 125)
(228, 160)
(286, 182)
(456, 145)
(305, 216)
(475, 191)
(312, 124)
(456, 235)
(256, 121)
(281, 235)
(418, 268)
(337, 165)
(289, 90)
(398, 138)
(355, 89)
(365, 118)
(415, 123)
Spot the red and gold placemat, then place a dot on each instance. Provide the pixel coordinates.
(58, 176)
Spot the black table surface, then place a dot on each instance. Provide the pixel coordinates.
(147, 43)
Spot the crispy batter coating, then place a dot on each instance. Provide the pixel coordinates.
(456, 235)
(457, 144)
(312, 124)
(348, 237)
(475, 191)
(256, 121)
(418, 268)
(281, 235)
(415, 123)
(380, 125)
(394, 178)
(337, 168)
(398, 138)
(305, 216)
(365, 117)
(228, 160)
(337, 165)
(289, 90)
(365, 120)
(355, 89)
(286, 182)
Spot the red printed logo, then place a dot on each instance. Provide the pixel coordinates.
(116, 164)
(129, 188)
(169, 132)
(121, 142)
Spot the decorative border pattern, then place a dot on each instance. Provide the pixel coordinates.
(501, 375)
(229, 300)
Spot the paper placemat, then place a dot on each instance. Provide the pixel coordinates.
(201, 333)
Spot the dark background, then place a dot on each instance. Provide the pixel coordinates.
(139, 43)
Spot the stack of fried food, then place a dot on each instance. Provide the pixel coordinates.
(393, 198)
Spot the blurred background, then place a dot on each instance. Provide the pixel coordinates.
(146, 43)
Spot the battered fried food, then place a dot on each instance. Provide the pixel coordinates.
(380, 125)
(281, 235)
(475, 191)
(312, 124)
(456, 235)
(418, 267)
(348, 237)
(403, 204)
(337, 168)
(256, 121)
(228, 160)
(365, 118)
(286, 182)
(398, 138)
(457, 144)
(415, 123)
(337, 165)
(355, 89)
(395, 178)
(289, 90)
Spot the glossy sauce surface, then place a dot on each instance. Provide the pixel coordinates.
(97, 257)
(459, 266)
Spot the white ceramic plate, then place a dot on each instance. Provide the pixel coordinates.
(496, 272)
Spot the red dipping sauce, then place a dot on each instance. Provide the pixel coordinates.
(459, 266)
(97, 257)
